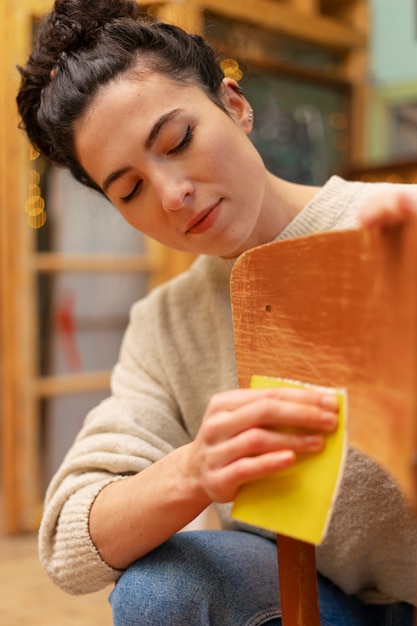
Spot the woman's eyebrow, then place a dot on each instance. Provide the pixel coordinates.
(156, 128)
(111, 178)
(152, 137)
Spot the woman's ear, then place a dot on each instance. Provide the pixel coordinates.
(236, 104)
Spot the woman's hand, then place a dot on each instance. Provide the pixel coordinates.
(389, 208)
(248, 433)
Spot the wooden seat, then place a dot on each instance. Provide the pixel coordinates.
(336, 309)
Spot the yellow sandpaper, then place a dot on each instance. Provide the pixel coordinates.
(298, 501)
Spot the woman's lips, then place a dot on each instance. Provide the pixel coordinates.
(204, 220)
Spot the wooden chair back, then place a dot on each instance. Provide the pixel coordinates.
(337, 309)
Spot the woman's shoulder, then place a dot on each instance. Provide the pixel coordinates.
(203, 272)
(336, 206)
(206, 280)
(352, 193)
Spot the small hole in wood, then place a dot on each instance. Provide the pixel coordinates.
(268, 308)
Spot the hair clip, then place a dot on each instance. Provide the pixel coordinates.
(63, 56)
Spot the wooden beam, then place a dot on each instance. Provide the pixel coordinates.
(323, 31)
(18, 336)
(355, 69)
(298, 582)
(37, 7)
(49, 386)
(308, 7)
(188, 17)
(8, 356)
(50, 262)
(392, 172)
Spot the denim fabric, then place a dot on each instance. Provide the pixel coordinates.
(338, 609)
(226, 578)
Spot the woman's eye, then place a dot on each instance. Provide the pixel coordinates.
(132, 194)
(184, 142)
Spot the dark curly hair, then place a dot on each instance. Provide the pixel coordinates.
(83, 45)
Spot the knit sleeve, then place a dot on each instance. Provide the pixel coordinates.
(139, 424)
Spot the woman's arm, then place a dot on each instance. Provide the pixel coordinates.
(131, 517)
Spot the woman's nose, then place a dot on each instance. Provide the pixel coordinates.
(175, 193)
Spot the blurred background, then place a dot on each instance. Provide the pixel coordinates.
(333, 84)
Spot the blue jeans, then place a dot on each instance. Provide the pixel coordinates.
(226, 578)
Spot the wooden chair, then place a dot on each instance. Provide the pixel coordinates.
(336, 309)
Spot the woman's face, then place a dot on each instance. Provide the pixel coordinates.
(176, 166)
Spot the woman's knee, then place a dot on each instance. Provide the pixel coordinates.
(199, 578)
(161, 588)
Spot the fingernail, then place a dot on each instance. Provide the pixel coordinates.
(286, 456)
(328, 419)
(314, 442)
(329, 401)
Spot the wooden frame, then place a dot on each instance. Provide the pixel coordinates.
(391, 172)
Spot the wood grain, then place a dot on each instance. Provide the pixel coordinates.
(298, 582)
(339, 309)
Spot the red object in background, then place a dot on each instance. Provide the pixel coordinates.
(65, 321)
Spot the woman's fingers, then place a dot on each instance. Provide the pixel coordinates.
(270, 411)
(388, 209)
(222, 484)
(246, 434)
(259, 441)
(235, 398)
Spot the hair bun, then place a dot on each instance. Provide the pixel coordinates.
(75, 24)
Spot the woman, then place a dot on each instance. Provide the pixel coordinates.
(141, 112)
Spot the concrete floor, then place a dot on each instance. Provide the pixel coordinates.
(29, 598)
